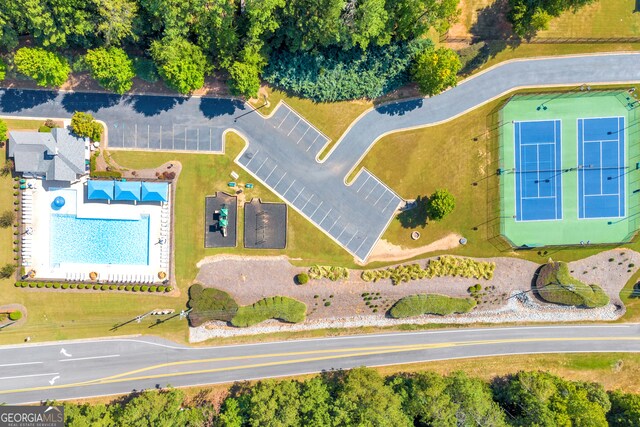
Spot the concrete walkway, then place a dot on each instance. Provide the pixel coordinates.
(282, 149)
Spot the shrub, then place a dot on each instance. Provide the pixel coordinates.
(44, 129)
(7, 271)
(210, 304)
(416, 305)
(106, 174)
(556, 285)
(3, 69)
(302, 278)
(48, 285)
(112, 287)
(277, 307)
(65, 286)
(95, 287)
(80, 286)
(145, 69)
(327, 303)
(7, 218)
(32, 284)
(331, 273)
(144, 288)
(83, 124)
(334, 74)
(40, 285)
(181, 63)
(112, 68)
(50, 124)
(15, 315)
(128, 288)
(168, 289)
(136, 288)
(104, 287)
(441, 203)
(46, 68)
(72, 286)
(121, 288)
(161, 289)
(24, 284)
(152, 288)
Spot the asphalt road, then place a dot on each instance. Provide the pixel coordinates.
(283, 149)
(75, 369)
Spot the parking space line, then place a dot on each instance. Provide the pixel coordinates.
(316, 209)
(185, 137)
(274, 168)
(363, 184)
(210, 139)
(254, 156)
(314, 141)
(285, 174)
(160, 136)
(265, 161)
(288, 188)
(298, 195)
(294, 126)
(305, 205)
(354, 235)
(381, 194)
(371, 191)
(385, 207)
(173, 136)
(305, 132)
(343, 230)
(285, 118)
(123, 134)
(135, 140)
(198, 138)
(361, 243)
(148, 134)
(333, 225)
(325, 216)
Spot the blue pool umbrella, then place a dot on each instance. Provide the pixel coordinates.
(99, 190)
(154, 191)
(58, 202)
(129, 190)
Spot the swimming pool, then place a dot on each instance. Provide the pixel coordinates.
(98, 240)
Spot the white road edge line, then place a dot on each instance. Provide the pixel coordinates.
(29, 376)
(89, 358)
(20, 364)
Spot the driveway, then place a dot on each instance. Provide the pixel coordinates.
(282, 149)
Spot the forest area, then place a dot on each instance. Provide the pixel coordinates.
(324, 50)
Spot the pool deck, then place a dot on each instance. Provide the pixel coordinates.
(36, 214)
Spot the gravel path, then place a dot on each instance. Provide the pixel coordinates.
(249, 279)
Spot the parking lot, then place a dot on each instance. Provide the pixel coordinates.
(297, 130)
(165, 137)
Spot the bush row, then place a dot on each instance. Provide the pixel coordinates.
(556, 285)
(416, 305)
(328, 272)
(445, 265)
(95, 287)
(106, 174)
(281, 308)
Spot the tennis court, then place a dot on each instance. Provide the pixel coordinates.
(601, 170)
(569, 168)
(538, 174)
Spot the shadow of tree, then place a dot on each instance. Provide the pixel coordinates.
(491, 34)
(635, 292)
(16, 100)
(400, 108)
(89, 102)
(154, 105)
(417, 216)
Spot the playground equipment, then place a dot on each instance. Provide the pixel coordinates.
(223, 219)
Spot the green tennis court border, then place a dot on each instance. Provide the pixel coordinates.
(569, 107)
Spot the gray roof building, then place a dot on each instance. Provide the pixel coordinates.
(58, 156)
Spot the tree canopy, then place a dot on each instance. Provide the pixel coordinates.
(440, 204)
(112, 68)
(181, 63)
(83, 124)
(528, 17)
(46, 68)
(436, 70)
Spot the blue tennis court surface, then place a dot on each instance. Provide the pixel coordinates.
(601, 169)
(538, 174)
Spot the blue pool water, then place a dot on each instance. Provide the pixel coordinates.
(99, 241)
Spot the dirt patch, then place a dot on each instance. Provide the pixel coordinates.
(8, 308)
(386, 251)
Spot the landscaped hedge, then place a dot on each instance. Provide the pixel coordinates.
(281, 308)
(416, 305)
(445, 265)
(556, 285)
(328, 272)
(106, 174)
(210, 304)
(96, 287)
(15, 315)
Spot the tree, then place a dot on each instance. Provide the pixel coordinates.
(88, 415)
(7, 167)
(180, 63)
(3, 131)
(441, 203)
(3, 71)
(165, 408)
(83, 124)
(424, 399)
(116, 20)
(112, 68)
(365, 22)
(528, 17)
(274, 404)
(310, 24)
(46, 68)
(230, 413)
(7, 271)
(475, 405)
(244, 79)
(315, 403)
(411, 19)
(7, 218)
(362, 399)
(435, 70)
(625, 409)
